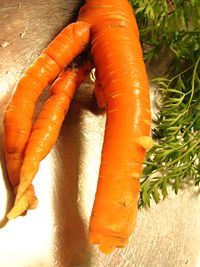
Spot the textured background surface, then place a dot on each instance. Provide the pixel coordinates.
(55, 234)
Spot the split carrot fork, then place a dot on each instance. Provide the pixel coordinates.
(121, 88)
(20, 110)
(45, 131)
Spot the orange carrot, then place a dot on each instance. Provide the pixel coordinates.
(20, 110)
(118, 58)
(45, 131)
(121, 86)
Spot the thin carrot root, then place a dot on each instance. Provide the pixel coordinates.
(28, 201)
(31, 192)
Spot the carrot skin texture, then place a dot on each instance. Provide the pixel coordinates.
(20, 110)
(119, 62)
(46, 129)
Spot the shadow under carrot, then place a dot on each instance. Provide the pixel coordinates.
(71, 244)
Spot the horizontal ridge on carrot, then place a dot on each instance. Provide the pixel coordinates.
(121, 88)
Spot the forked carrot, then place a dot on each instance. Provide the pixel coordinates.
(20, 110)
(121, 87)
(119, 62)
(45, 131)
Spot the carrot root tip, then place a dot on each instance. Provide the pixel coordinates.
(107, 244)
(27, 201)
(33, 203)
(19, 208)
(105, 248)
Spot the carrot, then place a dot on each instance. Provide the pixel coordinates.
(121, 87)
(45, 131)
(20, 110)
(118, 58)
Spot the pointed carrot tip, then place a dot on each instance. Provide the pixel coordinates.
(27, 201)
(19, 208)
(33, 204)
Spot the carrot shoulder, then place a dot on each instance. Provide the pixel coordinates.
(119, 62)
(45, 131)
(20, 110)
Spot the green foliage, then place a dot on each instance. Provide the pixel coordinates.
(174, 160)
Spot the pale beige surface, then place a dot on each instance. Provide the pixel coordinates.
(55, 234)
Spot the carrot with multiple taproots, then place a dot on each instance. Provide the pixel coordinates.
(121, 87)
(45, 131)
(19, 113)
